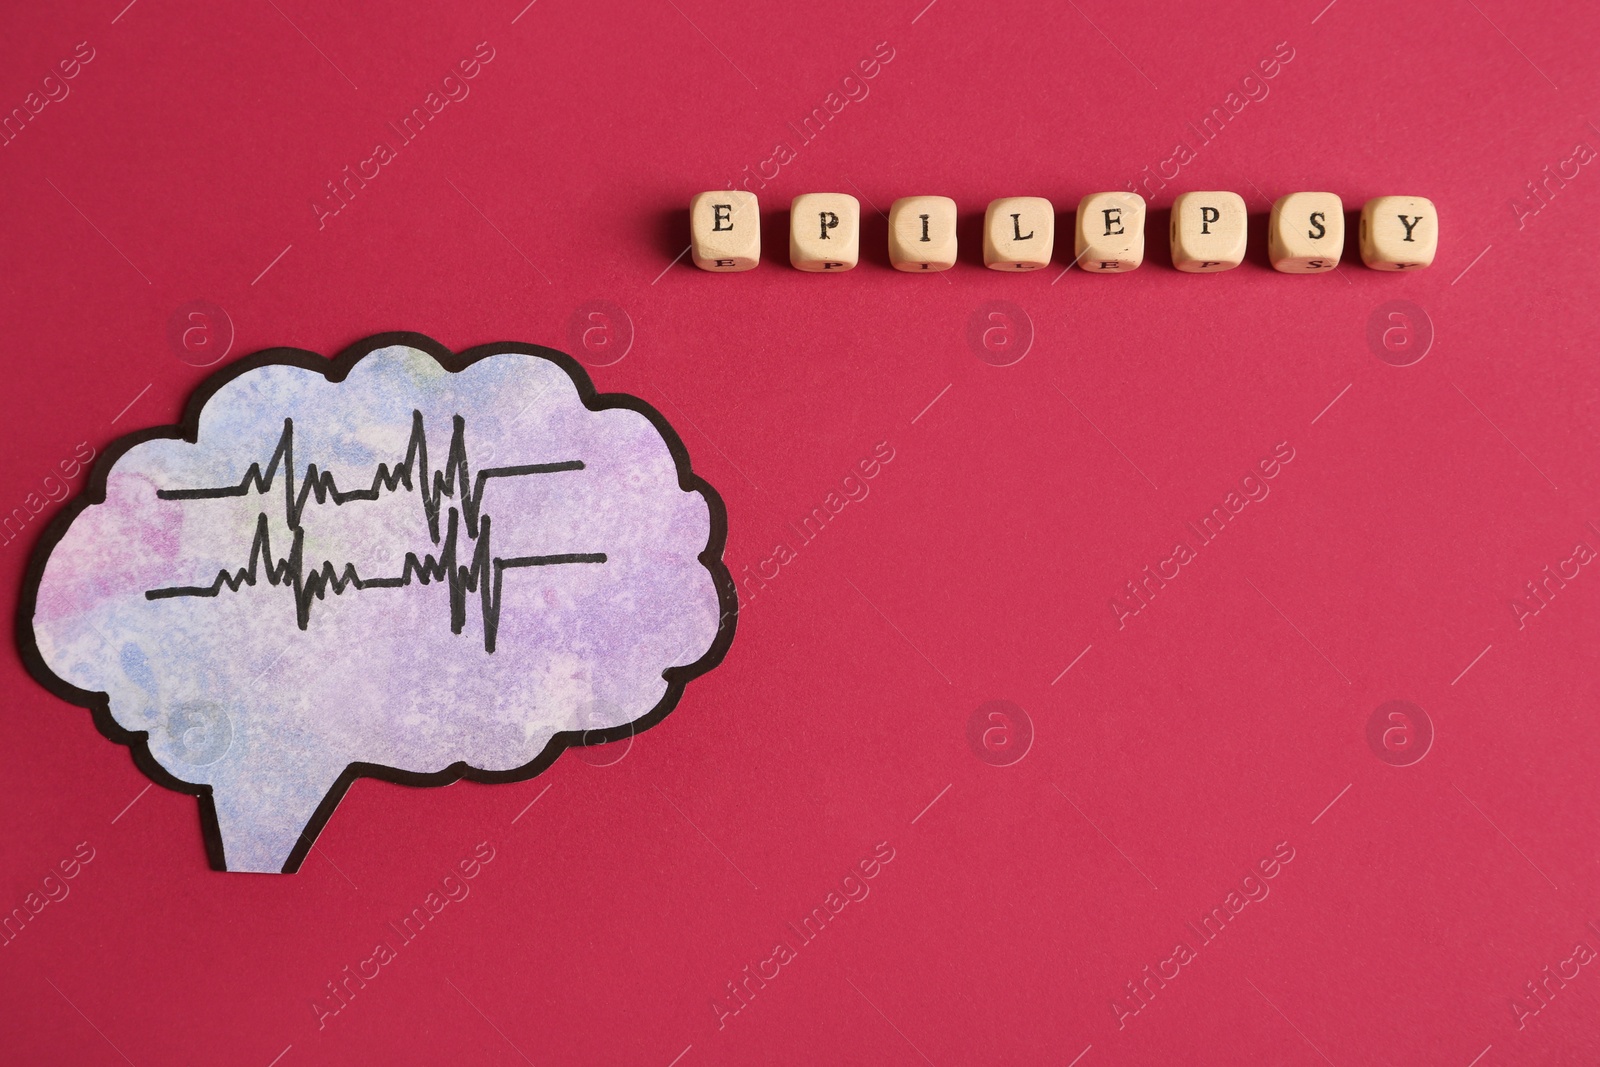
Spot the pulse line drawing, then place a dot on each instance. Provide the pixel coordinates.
(483, 575)
(321, 483)
(309, 587)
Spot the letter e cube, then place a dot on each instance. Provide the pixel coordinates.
(725, 230)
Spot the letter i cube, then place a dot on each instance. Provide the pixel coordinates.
(922, 233)
(725, 230)
(1399, 233)
(824, 231)
(1306, 233)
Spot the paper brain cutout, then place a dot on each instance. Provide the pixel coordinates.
(403, 563)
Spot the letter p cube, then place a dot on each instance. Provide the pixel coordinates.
(1208, 231)
(824, 231)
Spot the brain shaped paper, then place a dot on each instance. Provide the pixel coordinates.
(403, 563)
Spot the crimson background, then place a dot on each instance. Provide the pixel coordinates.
(1177, 751)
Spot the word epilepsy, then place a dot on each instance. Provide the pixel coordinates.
(1305, 232)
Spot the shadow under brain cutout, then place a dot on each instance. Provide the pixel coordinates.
(403, 563)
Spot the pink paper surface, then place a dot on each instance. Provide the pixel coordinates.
(1171, 752)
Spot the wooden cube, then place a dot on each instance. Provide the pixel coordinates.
(1109, 235)
(1208, 231)
(824, 231)
(1399, 233)
(1306, 233)
(725, 230)
(922, 233)
(1019, 233)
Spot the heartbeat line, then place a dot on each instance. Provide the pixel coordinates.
(483, 574)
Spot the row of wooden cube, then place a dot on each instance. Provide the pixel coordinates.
(1305, 232)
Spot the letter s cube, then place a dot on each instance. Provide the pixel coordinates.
(1306, 233)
